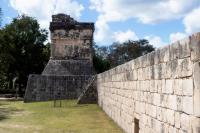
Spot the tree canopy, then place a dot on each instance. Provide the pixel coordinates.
(22, 50)
(107, 57)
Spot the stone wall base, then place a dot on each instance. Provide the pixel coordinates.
(45, 87)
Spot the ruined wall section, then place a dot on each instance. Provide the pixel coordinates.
(160, 89)
(71, 47)
(44, 88)
(75, 43)
(70, 65)
(70, 39)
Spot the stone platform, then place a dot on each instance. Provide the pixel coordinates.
(44, 88)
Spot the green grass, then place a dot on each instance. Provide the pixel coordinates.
(42, 117)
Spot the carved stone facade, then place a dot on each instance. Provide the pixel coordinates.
(70, 39)
(70, 64)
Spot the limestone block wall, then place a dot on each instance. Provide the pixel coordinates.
(156, 93)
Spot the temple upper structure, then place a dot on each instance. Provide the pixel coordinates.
(70, 66)
(70, 39)
(71, 47)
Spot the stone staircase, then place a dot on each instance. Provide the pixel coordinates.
(89, 93)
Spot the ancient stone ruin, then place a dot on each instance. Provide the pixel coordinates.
(70, 66)
(156, 93)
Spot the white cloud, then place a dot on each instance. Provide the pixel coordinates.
(121, 36)
(43, 9)
(145, 11)
(176, 36)
(192, 21)
(156, 41)
(103, 33)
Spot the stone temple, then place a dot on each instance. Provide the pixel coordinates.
(70, 66)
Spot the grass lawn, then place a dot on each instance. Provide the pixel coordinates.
(42, 117)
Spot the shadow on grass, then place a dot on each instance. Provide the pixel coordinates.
(5, 112)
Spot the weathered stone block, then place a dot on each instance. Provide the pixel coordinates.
(195, 122)
(179, 103)
(168, 73)
(140, 63)
(188, 105)
(172, 129)
(196, 77)
(195, 47)
(135, 74)
(158, 85)
(165, 54)
(144, 60)
(159, 113)
(184, 48)
(165, 128)
(157, 126)
(152, 86)
(184, 67)
(163, 71)
(174, 68)
(157, 57)
(185, 122)
(168, 87)
(140, 72)
(157, 71)
(174, 50)
(178, 87)
(187, 87)
(156, 99)
(137, 107)
(142, 107)
(177, 120)
(170, 116)
(136, 63)
(150, 58)
(153, 111)
(151, 72)
(172, 102)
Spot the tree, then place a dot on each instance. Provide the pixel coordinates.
(100, 61)
(22, 50)
(121, 53)
(106, 57)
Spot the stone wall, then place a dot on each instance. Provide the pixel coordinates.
(44, 88)
(89, 93)
(161, 90)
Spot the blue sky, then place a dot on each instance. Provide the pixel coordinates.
(160, 21)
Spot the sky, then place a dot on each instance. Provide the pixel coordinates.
(160, 21)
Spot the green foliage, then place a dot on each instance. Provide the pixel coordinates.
(22, 50)
(106, 57)
(121, 53)
(100, 62)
